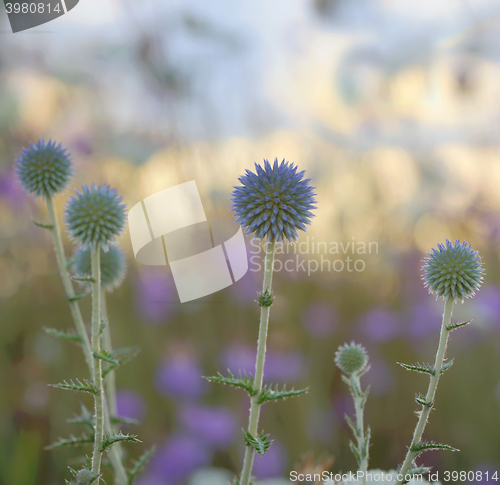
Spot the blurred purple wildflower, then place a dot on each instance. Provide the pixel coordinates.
(11, 189)
(177, 458)
(180, 376)
(380, 324)
(320, 319)
(272, 464)
(215, 426)
(286, 366)
(130, 404)
(424, 318)
(155, 295)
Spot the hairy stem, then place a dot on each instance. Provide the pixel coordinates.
(68, 286)
(253, 421)
(95, 254)
(110, 389)
(360, 436)
(431, 391)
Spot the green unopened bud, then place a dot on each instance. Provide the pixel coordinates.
(351, 358)
(84, 476)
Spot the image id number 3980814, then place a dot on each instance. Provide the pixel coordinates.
(471, 476)
(32, 7)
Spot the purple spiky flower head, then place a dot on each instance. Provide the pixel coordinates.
(44, 169)
(275, 202)
(95, 216)
(453, 271)
(113, 266)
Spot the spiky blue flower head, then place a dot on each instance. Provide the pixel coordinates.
(95, 217)
(275, 202)
(84, 476)
(453, 271)
(44, 169)
(113, 266)
(351, 358)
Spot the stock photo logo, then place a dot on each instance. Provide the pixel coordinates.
(25, 15)
(170, 227)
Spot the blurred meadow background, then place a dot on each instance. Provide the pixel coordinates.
(391, 106)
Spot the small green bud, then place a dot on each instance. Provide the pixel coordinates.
(266, 298)
(84, 476)
(351, 358)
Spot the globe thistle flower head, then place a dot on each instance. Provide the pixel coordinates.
(351, 358)
(275, 202)
(95, 216)
(44, 169)
(113, 266)
(453, 271)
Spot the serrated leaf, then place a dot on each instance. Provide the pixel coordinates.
(68, 334)
(242, 381)
(424, 368)
(85, 386)
(82, 278)
(454, 326)
(43, 226)
(430, 445)
(446, 366)
(112, 438)
(366, 444)
(85, 418)
(364, 397)
(140, 464)
(260, 444)
(421, 399)
(355, 452)
(76, 297)
(419, 470)
(353, 427)
(269, 394)
(123, 420)
(74, 441)
(122, 356)
(106, 357)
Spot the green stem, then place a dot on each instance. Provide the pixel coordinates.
(253, 421)
(360, 437)
(95, 254)
(110, 389)
(431, 391)
(68, 286)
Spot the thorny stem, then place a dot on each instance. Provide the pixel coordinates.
(120, 473)
(110, 389)
(68, 285)
(431, 391)
(360, 436)
(253, 421)
(95, 254)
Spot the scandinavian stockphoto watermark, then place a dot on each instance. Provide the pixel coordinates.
(359, 476)
(311, 256)
(24, 15)
(205, 255)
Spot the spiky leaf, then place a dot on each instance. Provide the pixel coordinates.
(454, 326)
(43, 226)
(424, 368)
(355, 452)
(82, 278)
(353, 427)
(106, 357)
(140, 464)
(242, 381)
(261, 444)
(421, 399)
(447, 366)
(68, 334)
(266, 298)
(74, 441)
(430, 445)
(85, 386)
(112, 438)
(85, 418)
(269, 394)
